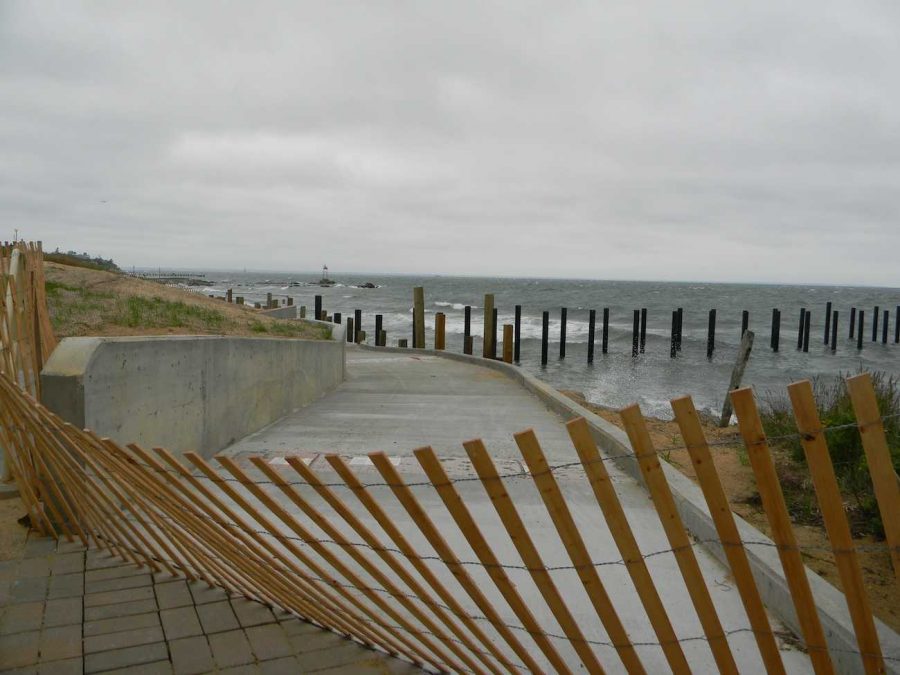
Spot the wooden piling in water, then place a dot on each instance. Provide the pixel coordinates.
(711, 334)
(268, 301)
(494, 334)
(402, 343)
(337, 318)
(852, 321)
(507, 343)
(875, 324)
(357, 323)
(776, 330)
(806, 322)
(834, 325)
(859, 329)
(635, 333)
(592, 321)
(517, 333)
(228, 295)
(562, 332)
(317, 315)
(379, 320)
(467, 327)
(440, 322)
(800, 328)
(737, 373)
(884, 326)
(680, 328)
(468, 343)
(673, 343)
(745, 322)
(605, 342)
(827, 321)
(382, 338)
(488, 334)
(897, 325)
(545, 336)
(419, 317)
(349, 329)
(643, 328)
(360, 337)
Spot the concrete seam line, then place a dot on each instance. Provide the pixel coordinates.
(766, 566)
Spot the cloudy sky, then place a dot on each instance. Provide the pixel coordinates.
(744, 141)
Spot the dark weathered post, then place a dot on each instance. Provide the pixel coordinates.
(269, 301)
(494, 334)
(859, 329)
(592, 321)
(897, 325)
(711, 334)
(772, 333)
(834, 324)
(228, 295)
(680, 328)
(318, 308)
(468, 344)
(467, 326)
(239, 300)
(605, 329)
(290, 301)
(337, 318)
(357, 323)
(349, 329)
(488, 333)
(827, 321)
(440, 325)
(545, 336)
(800, 329)
(875, 325)
(884, 326)
(402, 342)
(419, 317)
(737, 374)
(643, 328)
(378, 322)
(635, 333)
(806, 322)
(777, 337)
(563, 314)
(517, 332)
(302, 311)
(852, 321)
(507, 343)
(382, 338)
(745, 321)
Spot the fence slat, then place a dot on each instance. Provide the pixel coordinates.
(405, 496)
(509, 515)
(655, 478)
(571, 538)
(831, 505)
(776, 512)
(628, 547)
(485, 554)
(393, 532)
(878, 457)
(695, 440)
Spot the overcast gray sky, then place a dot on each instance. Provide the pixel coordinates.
(744, 141)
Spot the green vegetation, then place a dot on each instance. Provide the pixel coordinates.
(845, 448)
(73, 259)
(286, 329)
(140, 312)
(73, 305)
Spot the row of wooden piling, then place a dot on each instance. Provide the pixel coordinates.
(511, 333)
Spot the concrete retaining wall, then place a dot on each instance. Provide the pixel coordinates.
(286, 312)
(764, 560)
(187, 393)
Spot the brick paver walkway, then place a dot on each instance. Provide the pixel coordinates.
(66, 610)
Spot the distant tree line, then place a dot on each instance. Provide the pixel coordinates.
(77, 259)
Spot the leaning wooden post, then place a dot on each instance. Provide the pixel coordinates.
(545, 337)
(592, 321)
(488, 332)
(800, 328)
(562, 332)
(827, 321)
(440, 322)
(736, 374)
(745, 322)
(508, 343)
(419, 317)
(379, 319)
(517, 333)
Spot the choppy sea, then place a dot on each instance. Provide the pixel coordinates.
(616, 379)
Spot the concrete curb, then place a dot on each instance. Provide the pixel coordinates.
(764, 559)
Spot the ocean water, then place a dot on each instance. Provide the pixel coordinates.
(616, 379)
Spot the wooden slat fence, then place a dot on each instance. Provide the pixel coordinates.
(338, 552)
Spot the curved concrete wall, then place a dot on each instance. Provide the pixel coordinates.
(187, 393)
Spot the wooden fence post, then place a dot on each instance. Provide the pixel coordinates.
(737, 374)
(439, 327)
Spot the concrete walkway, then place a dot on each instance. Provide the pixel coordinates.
(64, 611)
